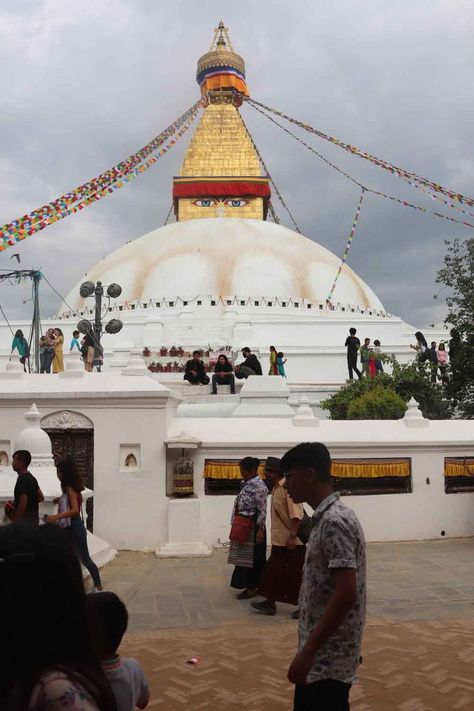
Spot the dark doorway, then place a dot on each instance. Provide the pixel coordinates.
(78, 444)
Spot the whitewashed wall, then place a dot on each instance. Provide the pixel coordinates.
(425, 513)
(132, 507)
(313, 343)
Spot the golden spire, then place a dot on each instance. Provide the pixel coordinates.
(221, 175)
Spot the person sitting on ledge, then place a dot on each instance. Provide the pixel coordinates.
(223, 374)
(195, 372)
(250, 366)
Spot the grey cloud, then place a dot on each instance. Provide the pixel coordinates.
(88, 83)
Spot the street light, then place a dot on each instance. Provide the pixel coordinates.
(88, 288)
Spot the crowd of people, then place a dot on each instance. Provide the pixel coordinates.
(50, 346)
(318, 563)
(435, 355)
(60, 645)
(62, 651)
(225, 372)
(371, 356)
(51, 350)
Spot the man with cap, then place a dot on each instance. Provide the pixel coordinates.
(281, 578)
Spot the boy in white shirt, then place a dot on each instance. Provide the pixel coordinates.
(108, 620)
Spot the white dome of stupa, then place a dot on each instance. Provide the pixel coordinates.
(226, 257)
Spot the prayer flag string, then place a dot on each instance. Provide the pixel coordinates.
(349, 243)
(399, 201)
(267, 172)
(104, 184)
(10, 240)
(417, 180)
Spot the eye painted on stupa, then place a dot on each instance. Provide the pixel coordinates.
(205, 203)
(236, 203)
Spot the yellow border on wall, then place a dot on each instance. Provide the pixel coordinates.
(344, 469)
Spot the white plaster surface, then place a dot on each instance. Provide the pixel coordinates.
(37, 442)
(424, 513)
(184, 530)
(132, 509)
(185, 259)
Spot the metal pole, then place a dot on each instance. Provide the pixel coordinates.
(99, 290)
(36, 320)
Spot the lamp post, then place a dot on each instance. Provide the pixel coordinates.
(88, 288)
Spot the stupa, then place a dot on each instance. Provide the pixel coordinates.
(223, 274)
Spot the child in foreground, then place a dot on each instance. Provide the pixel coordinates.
(108, 620)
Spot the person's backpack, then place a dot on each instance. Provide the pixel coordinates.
(306, 526)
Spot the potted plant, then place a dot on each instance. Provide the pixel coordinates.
(146, 352)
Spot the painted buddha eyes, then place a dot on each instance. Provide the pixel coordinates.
(229, 202)
(235, 203)
(204, 203)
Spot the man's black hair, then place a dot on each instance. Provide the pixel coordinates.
(352, 331)
(24, 455)
(108, 620)
(246, 349)
(249, 464)
(311, 455)
(197, 353)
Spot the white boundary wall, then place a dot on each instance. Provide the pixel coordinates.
(425, 513)
(132, 509)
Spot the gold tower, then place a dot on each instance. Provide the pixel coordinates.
(221, 175)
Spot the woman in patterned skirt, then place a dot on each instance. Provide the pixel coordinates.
(249, 558)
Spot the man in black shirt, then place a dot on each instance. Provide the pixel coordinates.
(352, 344)
(195, 373)
(27, 494)
(250, 366)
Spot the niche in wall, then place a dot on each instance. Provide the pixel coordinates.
(4, 454)
(130, 460)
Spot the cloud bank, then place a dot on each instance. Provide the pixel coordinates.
(86, 84)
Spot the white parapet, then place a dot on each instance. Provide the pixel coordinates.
(413, 415)
(264, 396)
(184, 531)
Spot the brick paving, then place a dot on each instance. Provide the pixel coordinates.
(418, 645)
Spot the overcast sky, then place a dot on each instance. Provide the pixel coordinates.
(84, 84)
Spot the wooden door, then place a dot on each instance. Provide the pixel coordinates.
(78, 444)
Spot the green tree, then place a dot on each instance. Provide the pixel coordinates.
(406, 380)
(458, 276)
(379, 403)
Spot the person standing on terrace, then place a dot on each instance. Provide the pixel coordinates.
(352, 344)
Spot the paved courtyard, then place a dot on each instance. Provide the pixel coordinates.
(418, 645)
